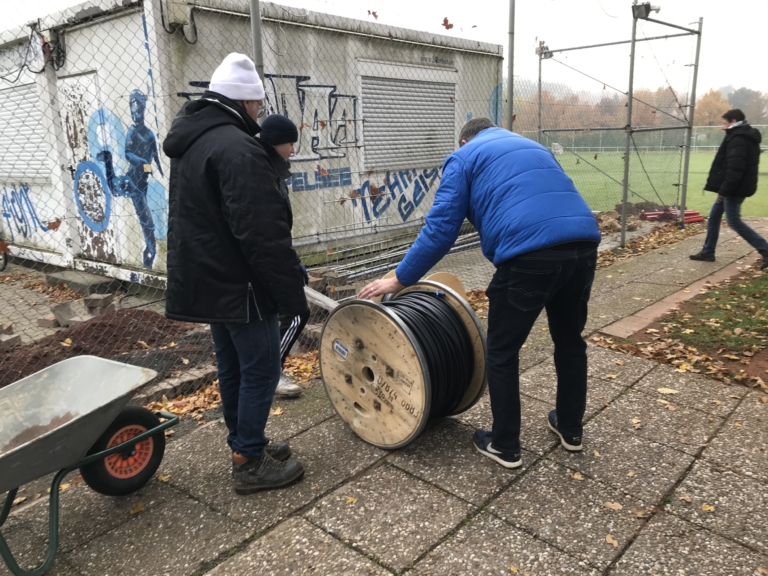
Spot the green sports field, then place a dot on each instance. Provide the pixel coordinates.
(653, 177)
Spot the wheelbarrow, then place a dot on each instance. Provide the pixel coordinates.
(73, 415)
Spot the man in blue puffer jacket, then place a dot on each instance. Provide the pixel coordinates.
(542, 237)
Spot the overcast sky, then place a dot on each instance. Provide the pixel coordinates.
(733, 40)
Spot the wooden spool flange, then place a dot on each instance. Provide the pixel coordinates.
(375, 373)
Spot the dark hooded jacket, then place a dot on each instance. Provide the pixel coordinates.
(230, 255)
(734, 170)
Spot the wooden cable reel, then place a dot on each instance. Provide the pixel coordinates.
(375, 370)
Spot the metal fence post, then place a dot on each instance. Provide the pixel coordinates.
(511, 68)
(538, 136)
(689, 128)
(258, 55)
(628, 129)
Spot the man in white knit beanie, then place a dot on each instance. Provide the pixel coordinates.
(231, 262)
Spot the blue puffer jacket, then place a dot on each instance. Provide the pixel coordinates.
(513, 191)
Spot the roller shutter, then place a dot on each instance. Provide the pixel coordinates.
(407, 123)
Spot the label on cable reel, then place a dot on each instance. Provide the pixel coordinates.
(341, 350)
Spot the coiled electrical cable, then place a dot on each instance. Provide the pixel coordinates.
(445, 342)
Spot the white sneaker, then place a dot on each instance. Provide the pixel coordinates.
(286, 388)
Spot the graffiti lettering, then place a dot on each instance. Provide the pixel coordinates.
(19, 212)
(327, 120)
(333, 178)
(405, 189)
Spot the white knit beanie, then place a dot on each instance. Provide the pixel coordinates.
(237, 79)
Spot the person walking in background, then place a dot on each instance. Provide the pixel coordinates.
(734, 177)
(231, 261)
(279, 134)
(542, 237)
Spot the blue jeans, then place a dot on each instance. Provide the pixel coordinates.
(732, 209)
(558, 279)
(248, 357)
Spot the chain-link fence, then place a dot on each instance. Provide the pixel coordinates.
(88, 95)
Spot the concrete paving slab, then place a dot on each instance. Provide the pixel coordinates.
(84, 282)
(201, 466)
(300, 414)
(669, 546)
(743, 441)
(570, 514)
(446, 456)
(740, 504)
(535, 436)
(297, 548)
(487, 545)
(29, 548)
(174, 538)
(85, 515)
(390, 515)
(617, 368)
(683, 429)
(693, 390)
(627, 462)
(542, 385)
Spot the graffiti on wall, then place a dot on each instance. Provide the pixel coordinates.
(110, 161)
(19, 213)
(327, 120)
(403, 191)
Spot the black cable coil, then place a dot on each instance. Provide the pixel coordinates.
(446, 344)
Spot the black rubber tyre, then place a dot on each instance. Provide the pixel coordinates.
(120, 474)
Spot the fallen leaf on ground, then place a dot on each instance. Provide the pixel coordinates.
(614, 506)
(185, 361)
(612, 541)
(640, 513)
(37, 495)
(737, 424)
(172, 345)
(143, 344)
(667, 391)
(611, 376)
(169, 433)
(619, 362)
(351, 500)
(577, 476)
(718, 402)
(763, 571)
(136, 508)
(631, 473)
(19, 500)
(164, 477)
(763, 399)
(67, 342)
(275, 411)
(707, 508)
(596, 453)
(76, 480)
(514, 570)
(64, 487)
(687, 499)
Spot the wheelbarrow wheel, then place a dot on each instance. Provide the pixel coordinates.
(124, 473)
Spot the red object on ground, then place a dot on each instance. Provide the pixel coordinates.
(690, 216)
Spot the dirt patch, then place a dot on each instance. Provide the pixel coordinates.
(34, 432)
(138, 337)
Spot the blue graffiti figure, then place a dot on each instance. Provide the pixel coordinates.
(140, 152)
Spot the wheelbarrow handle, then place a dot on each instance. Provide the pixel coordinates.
(53, 517)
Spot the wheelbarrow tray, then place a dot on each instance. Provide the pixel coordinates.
(49, 420)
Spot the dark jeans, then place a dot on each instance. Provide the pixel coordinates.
(732, 209)
(290, 330)
(560, 280)
(248, 357)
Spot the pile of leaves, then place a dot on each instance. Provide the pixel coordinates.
(31, 281)
(302, 367)
(479, 302)
(193, 405)
(717, 333)
(662, 235)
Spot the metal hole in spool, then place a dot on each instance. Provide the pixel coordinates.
(401, 390)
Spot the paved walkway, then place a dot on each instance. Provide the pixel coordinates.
(669, 484)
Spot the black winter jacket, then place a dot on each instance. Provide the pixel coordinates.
(734, 170)
(230, 254)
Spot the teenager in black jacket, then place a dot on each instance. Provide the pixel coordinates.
(734, 177)
(231, 261)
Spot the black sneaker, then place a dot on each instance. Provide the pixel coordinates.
(703, 257)
(482, 440)
(279, 450)
(264, 474)
(570, 443)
